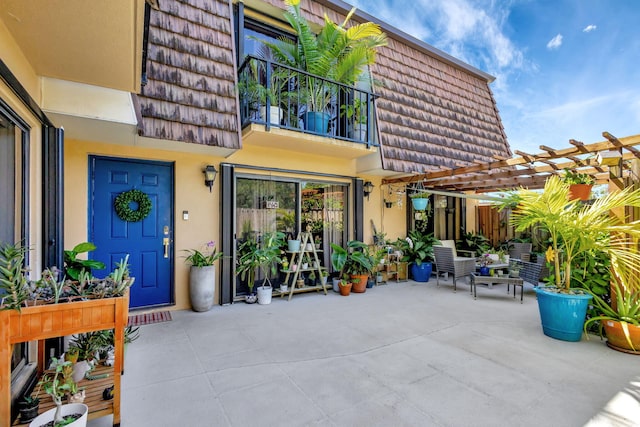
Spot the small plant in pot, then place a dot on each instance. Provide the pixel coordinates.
(574, 229)
(60, 384)
(28, 407)
(417, 249)
(345, 285)
(261, 254)
(579, 184)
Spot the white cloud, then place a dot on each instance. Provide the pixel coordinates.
(589, 28)
(555, 42)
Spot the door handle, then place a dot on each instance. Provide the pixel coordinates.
(165, 243)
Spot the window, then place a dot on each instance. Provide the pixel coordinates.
(14, 195)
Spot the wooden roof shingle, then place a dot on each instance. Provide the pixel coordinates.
(190, 92)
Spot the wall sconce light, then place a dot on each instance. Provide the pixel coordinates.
(609, 158)
(443, 202)
(210, 173)
(367, 188)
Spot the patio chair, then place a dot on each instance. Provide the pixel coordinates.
(517, 249)
(530, 272)
(447, 263)
(457, 252)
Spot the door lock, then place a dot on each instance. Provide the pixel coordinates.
(165, 242)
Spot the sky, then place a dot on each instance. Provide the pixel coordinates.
(564, 69)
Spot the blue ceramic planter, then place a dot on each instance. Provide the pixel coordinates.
(484, 271)
(420, 203)
(562, 315)
(422, 272)
(317, 121)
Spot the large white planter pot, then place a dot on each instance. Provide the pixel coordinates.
(264, 294)
(202, 287)
(275, 114)
(69, 409)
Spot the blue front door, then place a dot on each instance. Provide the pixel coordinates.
(149, 241)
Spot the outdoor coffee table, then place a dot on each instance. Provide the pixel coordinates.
(490, 280)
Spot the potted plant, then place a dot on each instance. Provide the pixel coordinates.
(28, 407)
(417, 249)
(346, 285)
(356, 113)
(580, 184)
(355, 260)
(335, 53)
(104, 301)
(60, 384)
(324, 274)
(620, 318)
(419, 201)
(86, 346)
(263, 255)
(202, 276)
(574, 229)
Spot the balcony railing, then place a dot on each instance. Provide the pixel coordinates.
(276, 95)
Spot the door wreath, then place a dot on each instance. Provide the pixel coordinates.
(124, 211)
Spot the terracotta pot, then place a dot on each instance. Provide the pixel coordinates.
(580, 191)
(617, 340)
(361, 286)
(345, 290)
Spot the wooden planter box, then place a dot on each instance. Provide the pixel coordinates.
(56, 320)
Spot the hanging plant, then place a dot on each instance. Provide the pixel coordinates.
(123, 209)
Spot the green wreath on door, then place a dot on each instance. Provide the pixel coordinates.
(123, 208)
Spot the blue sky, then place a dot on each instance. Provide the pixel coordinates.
(565, 69)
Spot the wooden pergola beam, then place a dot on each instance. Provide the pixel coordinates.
(577, 149)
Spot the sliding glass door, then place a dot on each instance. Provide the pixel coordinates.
(288, 205)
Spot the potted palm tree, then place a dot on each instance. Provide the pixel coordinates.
(337, 54)
(574, 229)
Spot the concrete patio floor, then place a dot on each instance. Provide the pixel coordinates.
(402, 354)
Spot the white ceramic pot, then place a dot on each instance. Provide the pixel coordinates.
(202, 287)
(264, 294)
(70, 409)
(336, 285)
(284, 288)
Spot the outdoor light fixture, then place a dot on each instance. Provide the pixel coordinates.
(210, 173)
(609, 158)
(367, 188)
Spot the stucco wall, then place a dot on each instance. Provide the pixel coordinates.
(192, 195)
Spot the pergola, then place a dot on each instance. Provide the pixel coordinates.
(609, 161)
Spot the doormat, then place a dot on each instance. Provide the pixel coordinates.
(149, 318)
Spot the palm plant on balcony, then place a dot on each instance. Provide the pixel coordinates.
(336, 54)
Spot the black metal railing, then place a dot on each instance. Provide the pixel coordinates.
(273, 94)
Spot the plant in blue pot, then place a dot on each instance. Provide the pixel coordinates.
(417, 249)
(420, 201)
(574, 229)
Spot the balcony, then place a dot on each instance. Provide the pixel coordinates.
(274, 96)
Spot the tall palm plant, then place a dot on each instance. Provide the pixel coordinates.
(577, 228)
(337, 53)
